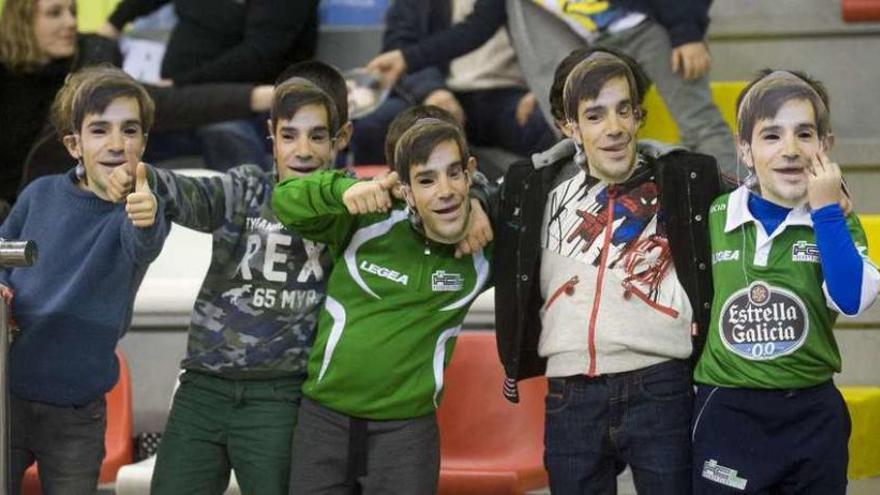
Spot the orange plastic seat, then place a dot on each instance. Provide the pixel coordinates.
(118, 439)
(489, 446)
(860, 10)
(369, 171)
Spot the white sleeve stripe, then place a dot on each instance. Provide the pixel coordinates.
(870, 284)
(868, 291)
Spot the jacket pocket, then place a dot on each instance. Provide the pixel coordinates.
(567, 288)
(558, 395)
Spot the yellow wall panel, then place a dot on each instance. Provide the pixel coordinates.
(659, 124)
(90, 13)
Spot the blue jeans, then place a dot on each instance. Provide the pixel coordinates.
(595, 426)
(66, 441)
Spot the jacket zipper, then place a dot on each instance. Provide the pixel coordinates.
(606, 243)
(567, 288)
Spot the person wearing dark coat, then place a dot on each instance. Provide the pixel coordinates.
(39, 50)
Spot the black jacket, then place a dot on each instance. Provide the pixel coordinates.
(688, 183)
(218, 41)
(407, 23)
(30, 148)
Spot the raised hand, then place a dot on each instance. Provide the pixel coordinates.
(370, 196)
(691, 60)
(824, 182)
(141, 204)
(121, 180)
(389, 65)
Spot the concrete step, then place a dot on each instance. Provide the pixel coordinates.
(746, 36)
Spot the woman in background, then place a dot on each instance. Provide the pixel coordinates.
(39, 47)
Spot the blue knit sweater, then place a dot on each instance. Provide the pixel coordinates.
(75, 303)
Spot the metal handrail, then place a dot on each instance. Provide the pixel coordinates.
(12, 254)
(4, 398)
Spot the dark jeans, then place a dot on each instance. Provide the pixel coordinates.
(336, 454)
(66, 441)
(596, 425)
(222, 145)
(770, 441)
(490, 120)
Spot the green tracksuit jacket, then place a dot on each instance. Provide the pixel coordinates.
(395, 303)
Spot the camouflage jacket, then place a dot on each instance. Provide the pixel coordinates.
(257, 310)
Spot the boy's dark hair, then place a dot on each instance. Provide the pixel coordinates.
(296, 93)
(91, 91)
(588, 76)
(578, 55)
(418, 142)
(405, 120)
(766, 95)
(324, 76)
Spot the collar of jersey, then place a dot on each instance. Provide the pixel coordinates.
(738, 213)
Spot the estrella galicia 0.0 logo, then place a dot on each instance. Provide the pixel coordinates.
(762, 322)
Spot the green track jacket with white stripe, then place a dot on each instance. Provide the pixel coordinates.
(395, 303)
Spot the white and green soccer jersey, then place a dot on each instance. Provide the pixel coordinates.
(395, 303)
(772, 318)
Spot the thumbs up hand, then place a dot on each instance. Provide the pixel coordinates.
(370, 196)
(141, 204)
(120, 182)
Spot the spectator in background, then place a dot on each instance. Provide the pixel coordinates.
(484, 89)
(666, 38)
(221, 41)
(227, 40)
(39, 47)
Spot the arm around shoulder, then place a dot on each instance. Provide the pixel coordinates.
(313, 206)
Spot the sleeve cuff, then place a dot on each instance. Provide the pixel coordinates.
(828, 213)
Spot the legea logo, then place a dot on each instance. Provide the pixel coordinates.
(383, 272)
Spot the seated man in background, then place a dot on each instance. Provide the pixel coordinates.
(666, 38)
(39, 47)
(75, 303)
(786, 261)
(396, 299)
(484, 90)
(223, 42)
(228, 41)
